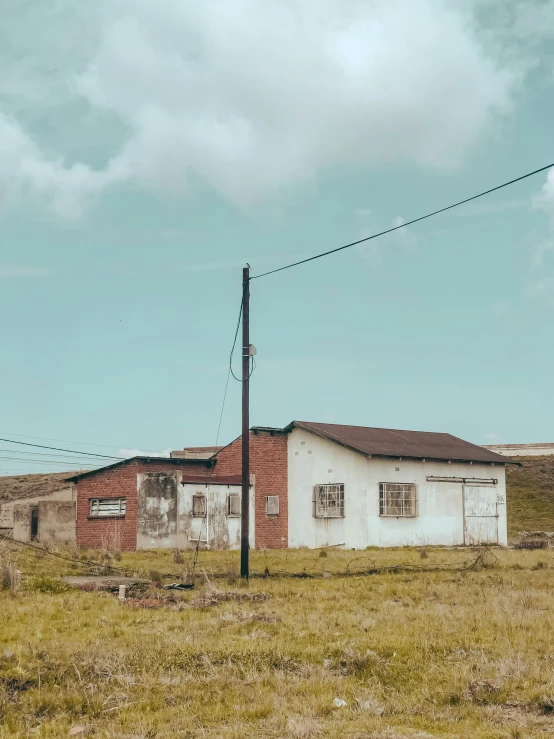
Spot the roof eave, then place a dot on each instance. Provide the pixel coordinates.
(177, 461)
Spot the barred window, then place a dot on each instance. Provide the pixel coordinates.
(397, 499)
(108, 507)
(272, 505)
(328, 501)
(233, 504)
(199, 505)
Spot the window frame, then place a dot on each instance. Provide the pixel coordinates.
(236, 497)
(94, 511)
(204, 498)
(274, 499)
(317, 506)
(400, 510)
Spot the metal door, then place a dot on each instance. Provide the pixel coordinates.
(480, 515)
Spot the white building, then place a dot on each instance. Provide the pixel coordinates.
(522, 450)
(354, 487)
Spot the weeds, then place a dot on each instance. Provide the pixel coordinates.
(416, 653)
(10, 576)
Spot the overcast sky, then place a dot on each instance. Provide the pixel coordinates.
(148, 150)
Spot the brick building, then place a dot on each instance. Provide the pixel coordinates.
(113, 502)
(312, 485)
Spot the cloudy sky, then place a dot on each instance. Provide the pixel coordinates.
(148, 150)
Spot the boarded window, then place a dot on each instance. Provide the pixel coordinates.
(233, 504)
(107, 507)
(272, 505)
(328, 501)
(199, 505)
(397, 499)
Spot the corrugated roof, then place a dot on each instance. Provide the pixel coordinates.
(396, 443)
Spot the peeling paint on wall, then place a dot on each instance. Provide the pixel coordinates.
(166, 516)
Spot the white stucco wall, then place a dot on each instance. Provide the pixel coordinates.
(165, 520)
(6, 508)
(315, 461)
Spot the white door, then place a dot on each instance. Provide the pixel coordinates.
(480, 515)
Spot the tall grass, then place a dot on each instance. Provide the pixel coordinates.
(453, 653)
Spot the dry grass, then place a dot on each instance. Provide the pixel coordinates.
(413, 654)
(530, 495)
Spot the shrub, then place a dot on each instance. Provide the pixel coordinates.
(45, 584)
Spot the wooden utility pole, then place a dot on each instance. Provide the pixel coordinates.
(245, 498)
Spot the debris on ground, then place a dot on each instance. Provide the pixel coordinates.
(339, 703)
(107, 583)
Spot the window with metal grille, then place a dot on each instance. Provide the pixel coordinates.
(199, 505)
(272, 505)
(233, 504)
(328, 501)
(108, 506)
(397, 499)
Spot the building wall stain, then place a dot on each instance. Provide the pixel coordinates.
(166, 517)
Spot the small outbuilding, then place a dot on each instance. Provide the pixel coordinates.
(38, 508)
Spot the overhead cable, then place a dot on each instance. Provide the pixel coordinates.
(403, 225)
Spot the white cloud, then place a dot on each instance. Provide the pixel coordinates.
(9, 271)
(493, 438)
(128, 453)
(246, 97)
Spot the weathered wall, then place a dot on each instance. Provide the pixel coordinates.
(268, 464)
(522, 450)
(165, 517)
(7, 508)
(118, 482)
(22, 522)
(56, 522)
(313, 461)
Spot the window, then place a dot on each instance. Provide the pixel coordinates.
(107, 507)
(397, 499)
(233, 504)
(329, 501)
(272, 505)
(199, 505)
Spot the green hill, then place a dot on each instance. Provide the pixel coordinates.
(530, 495)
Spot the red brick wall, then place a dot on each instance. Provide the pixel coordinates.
(119, 482)
(269, 463)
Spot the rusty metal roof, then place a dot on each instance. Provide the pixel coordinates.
(407, 444)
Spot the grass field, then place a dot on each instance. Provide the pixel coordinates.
(438, 650)
(530, 495)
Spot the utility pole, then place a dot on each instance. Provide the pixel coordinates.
(245, 498)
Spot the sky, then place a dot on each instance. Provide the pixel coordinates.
(148, 151)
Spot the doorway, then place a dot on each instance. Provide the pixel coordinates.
(34, 523)
(480, 515)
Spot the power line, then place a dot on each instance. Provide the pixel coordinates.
(70, 441)
(403, 225)
(42, 461)
(57, 449)
(229, 372)
(47, 455)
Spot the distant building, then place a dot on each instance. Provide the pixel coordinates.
(195, 452)
(521, 450)
(312, 485)
(38, 508)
